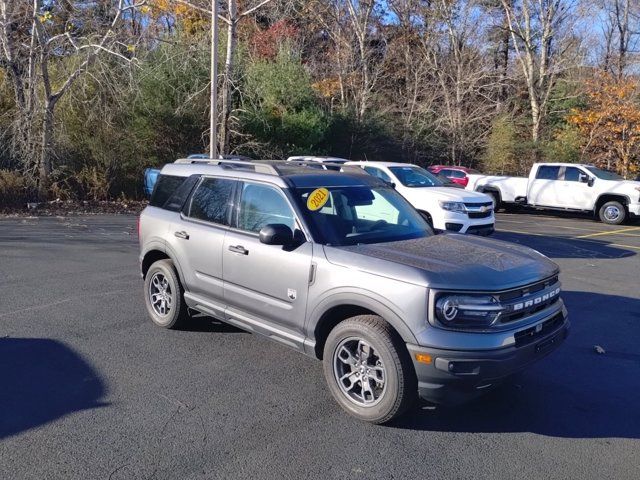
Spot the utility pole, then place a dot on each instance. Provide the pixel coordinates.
(213, 141)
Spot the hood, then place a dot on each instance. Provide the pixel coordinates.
(628, 187)
(448, 261)
(453, 194)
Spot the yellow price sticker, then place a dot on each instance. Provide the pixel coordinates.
(317, 199)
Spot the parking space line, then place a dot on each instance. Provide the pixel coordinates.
(571, 238)
(610, 232)
(566, 227)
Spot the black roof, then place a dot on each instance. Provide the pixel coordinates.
(327, 178)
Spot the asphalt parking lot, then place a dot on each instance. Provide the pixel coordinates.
(90, 389)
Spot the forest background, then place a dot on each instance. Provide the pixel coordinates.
(94, 91)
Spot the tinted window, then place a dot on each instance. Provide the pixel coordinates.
(177, 200)
(572, 174)
(376, 172)
(165, 186)
(261, 205)
(457, 174)
(547, 173)
(211, 200)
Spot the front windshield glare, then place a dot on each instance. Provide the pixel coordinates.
(349, 215)
(604, 174)
(412, 176)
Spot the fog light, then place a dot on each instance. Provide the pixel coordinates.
(454, 227)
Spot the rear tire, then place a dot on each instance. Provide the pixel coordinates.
(612, 213)
(163, 295)
(368, 369)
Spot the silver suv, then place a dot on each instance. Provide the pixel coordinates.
(340, 267)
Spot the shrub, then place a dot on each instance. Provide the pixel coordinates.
(14, 189)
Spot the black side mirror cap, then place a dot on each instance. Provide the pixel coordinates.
(276, 234)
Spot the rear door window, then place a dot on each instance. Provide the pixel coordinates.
(547, 172)
(211, 202)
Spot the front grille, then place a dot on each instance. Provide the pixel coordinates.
(479, 214)
(478, 205)
(525, 337)
(528, 302)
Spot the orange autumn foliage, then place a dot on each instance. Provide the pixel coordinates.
(610, 125)
(190, 19)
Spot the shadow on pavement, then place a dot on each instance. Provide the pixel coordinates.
(42, 380)
(564, 247)
(572, 393)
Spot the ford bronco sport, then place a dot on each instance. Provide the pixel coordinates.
(339, 266)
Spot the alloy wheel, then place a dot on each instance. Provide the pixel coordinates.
(359, 371)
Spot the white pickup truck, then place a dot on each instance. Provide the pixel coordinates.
(565, 186)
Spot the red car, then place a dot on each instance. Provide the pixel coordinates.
(455, 174)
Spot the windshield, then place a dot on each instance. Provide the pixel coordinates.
(412, 176)
(349, 215)
(604, 174)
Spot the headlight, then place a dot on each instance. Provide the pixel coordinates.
(467, 311)
(453, 206)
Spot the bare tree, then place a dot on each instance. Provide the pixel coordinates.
(621, 34)
(541, 31)
(34, 41)
(461, 74)
(358, 44)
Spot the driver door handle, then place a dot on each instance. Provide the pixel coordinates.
(239, 249)
(182, 234)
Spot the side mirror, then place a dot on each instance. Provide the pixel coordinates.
(391, 184)
(276, 234)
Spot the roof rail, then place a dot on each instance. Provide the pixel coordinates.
(258, 167)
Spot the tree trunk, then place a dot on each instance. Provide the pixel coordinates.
(44, 166)
(232, 34)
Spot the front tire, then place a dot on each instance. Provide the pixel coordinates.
(368, 369)
(495, 196)
(612, 213)
(163, 294)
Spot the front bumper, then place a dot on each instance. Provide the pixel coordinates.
(455, 376)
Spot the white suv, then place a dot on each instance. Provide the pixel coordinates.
(447, 208)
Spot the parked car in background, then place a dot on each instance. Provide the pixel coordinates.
(565, 186)
(393, 311)
(446, 208)
(324, 163)
(446, 181)
(150, 179)
(456, 174)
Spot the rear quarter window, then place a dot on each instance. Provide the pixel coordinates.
(171, 191)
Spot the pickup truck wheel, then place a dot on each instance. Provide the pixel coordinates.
(368, 369)
(612, 213)
(496, 199)
(163, 295)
